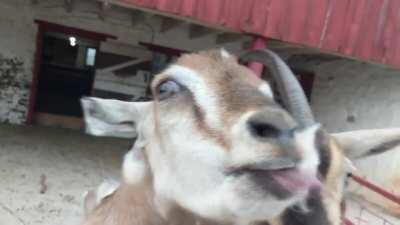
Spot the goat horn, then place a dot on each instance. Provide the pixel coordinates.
(289, 88)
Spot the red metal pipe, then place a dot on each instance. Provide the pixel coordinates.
(258, 43)
(376, 188)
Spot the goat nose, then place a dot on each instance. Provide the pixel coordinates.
(270, 124)
(264, 126)
(261, 129)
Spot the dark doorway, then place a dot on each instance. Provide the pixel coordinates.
(64, 70)
(66, 74)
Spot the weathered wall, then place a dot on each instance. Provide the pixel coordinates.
(18, 36)
(346, 95)
(349, 95)
(16, 48)
(13, 90)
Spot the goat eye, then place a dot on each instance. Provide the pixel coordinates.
(168, 88)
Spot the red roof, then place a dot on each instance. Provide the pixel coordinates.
(366, 29)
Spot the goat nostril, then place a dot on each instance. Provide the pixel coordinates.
(263, 130)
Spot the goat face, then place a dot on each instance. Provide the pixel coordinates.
(213, 141)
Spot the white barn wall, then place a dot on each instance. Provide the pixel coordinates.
(368, 93)
(18, 38)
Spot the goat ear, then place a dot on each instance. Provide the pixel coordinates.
(135, 169)
(364, 143)
(114, 118)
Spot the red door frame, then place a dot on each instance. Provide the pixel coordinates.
(44, 26)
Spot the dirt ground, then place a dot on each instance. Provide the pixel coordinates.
(44, 173)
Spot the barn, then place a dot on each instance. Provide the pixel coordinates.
(346, 54)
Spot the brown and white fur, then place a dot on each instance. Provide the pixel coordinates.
(216, 150)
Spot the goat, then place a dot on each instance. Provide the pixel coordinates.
(214, 147)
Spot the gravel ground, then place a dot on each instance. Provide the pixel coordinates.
(45, 171)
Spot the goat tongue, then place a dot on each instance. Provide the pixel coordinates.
(296, 181)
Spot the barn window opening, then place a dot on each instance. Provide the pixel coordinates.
(67, 71)
(90, 56)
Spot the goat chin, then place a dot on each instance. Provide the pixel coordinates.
(132, 205)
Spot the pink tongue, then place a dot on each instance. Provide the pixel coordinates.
(295, 181)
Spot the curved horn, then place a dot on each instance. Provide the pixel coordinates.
(292, 93)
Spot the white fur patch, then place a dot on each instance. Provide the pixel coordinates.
(134, 167)
(94, 197)
(203, 95)
(266, 90)
(349, 166)
(105, 189)
(225, 53)
(306, 141)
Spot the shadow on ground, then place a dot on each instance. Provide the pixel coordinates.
(62, 164)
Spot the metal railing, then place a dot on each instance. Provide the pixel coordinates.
(364, 211)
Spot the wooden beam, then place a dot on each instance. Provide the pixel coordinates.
(69, 4)
(168, 24)
(196, 31)
(104, 8)
(246, 44)
(163, 49)
(113, 68)
(125, 49)
(305, 63)
(228, 37)
(53, 27)
(137, 17)
(155, 17)
(125, 4)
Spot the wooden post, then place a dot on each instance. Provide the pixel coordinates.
(257, 43)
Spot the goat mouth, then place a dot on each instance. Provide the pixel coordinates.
(265, 166)
(282, 182)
